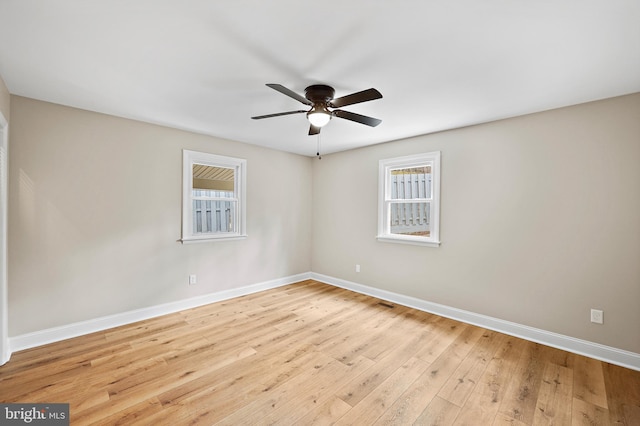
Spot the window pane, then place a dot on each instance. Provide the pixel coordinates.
(211, 178)
(213, 216)
(410, 219)
(412, 183)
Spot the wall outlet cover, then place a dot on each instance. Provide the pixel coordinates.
(597, 316)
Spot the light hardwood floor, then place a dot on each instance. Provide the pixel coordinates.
(310, 353)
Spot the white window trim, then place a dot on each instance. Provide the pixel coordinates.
(189, 158)
(384, 201)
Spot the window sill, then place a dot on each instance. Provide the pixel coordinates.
(210, 238)
(408, 240)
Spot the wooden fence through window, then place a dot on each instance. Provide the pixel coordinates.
(211, 216)
(411, 217)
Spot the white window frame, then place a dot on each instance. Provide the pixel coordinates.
(189, 158)
(385, 200)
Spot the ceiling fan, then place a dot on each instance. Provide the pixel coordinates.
(320, 98)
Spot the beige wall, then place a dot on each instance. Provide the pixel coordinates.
(5, 99)
(95, 207)
(540, 221)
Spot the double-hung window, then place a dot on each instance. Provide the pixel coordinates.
(409, 199)
(214, 194)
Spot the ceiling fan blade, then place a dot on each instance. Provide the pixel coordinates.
(355, 98)
(314, 130)
(363, 119)
(280, 88)
(259, 117)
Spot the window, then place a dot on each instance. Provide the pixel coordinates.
(409, 199)
(213, 197)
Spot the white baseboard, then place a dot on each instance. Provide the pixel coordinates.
(582, 347)
(50, 335)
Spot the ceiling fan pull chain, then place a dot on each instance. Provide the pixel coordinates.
(318, 153)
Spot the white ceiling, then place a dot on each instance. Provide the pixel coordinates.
(202, 65)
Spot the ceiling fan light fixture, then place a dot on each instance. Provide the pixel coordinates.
(320, 98)
(319, 115)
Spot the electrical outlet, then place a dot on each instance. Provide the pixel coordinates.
(597, 316)
(192, 279)
(357, 268)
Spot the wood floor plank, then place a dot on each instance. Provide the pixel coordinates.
(371, 407)
(484, 402)
(208, 399)
(320, 391)
(587, 414)
(555, 398)
(128, 333)
(560, 357)
(623, 393)
(303, 390)
(521, 396)
(411, 403)
(307, 316)
(364, 337)
(631, 413)
(94, 391)
(137, 388)
(240, 383)
(439, 412)
(445, 332)
(310, 353)
(409, 326)
(505, 420)
(137, 414)
(588, 381)
(362, 385)
(327, 413)
(342, 330)
(462, 382)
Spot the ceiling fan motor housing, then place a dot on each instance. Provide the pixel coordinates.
(319, 93)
